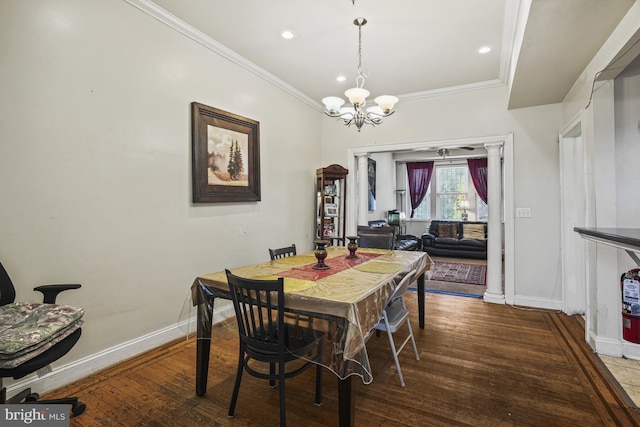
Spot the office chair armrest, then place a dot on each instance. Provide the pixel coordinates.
(50, 292)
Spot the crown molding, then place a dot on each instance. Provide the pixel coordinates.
(198, 36)
(451, 90)
(172, 21)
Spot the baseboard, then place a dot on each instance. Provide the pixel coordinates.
(630, 350)
(607, 346)
(617, 348)
(537, 303)
(70, 372)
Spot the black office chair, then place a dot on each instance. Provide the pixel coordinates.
(60, 347)
(282, 252)
(376, 240)
(265, 337)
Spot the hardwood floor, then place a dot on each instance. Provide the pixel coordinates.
(481, 365)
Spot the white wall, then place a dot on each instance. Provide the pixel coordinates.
(477, 114)
(627, 173)
(95, 164)
(627, 112)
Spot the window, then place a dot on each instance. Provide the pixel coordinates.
(424, 210)
(452, 183)
(482, 210)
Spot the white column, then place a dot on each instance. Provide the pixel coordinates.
(494, 293)
(363, 188)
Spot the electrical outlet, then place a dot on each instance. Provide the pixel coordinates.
(523, 212)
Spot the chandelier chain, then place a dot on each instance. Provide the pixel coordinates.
(361, 72)
(359, 49)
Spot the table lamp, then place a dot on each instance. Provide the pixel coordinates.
(463, 205)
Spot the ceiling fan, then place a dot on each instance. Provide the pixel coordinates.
(444, 152)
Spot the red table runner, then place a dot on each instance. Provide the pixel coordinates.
(337, 264)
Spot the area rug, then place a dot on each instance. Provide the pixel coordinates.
(460, 273)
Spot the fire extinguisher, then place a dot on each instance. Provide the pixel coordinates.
(630, 283)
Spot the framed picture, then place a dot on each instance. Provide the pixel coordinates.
(329, 230)
(330, 209)
(225, 156)
(371, 174)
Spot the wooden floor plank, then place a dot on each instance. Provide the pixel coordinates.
(480, 365)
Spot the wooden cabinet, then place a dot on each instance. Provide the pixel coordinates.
(331, 190)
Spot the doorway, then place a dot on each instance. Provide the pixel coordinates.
(507, 210)
(573, 214)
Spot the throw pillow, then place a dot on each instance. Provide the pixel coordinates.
(473, 231)
(447, 230)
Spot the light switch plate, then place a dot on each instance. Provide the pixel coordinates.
(523, 212)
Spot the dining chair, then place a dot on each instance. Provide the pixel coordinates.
(282, 252)
(394, 316)
(265, 337)
(376, 240)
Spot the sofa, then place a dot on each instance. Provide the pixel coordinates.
(402, 242)
(464, 239)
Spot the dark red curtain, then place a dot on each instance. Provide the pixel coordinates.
(419, 174)
(478, 172)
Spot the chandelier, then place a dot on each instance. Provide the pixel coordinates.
(358, 97)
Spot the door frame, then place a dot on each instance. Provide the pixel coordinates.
(573, 199)
(507, 187)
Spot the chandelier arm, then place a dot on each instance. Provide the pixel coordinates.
(374, 120)
(377, 115)
(338, 115)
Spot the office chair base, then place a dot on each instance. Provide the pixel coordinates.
(26, 396)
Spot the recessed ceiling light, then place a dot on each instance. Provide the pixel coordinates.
(287, 34)
(341, 78)
(484, 49)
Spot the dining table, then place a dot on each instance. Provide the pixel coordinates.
(345, 297)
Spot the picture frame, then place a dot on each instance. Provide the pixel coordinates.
(371, 175)
(330, 209)
(329, 230)
(225, 156)
(330, 190)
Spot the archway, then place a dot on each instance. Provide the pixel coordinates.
(504, 189)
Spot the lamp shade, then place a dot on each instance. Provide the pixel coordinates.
(332, 103)
(357, 95)
(463, 205)
(386, 102)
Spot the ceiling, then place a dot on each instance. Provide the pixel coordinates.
(411, 49)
